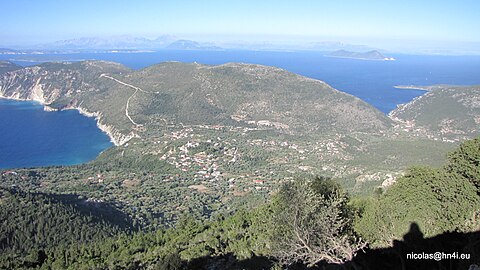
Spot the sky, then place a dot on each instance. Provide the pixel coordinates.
(371, 22)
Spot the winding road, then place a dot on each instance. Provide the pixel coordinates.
(128, 100)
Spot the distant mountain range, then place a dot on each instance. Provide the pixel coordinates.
(190, 45)
(129, 43)
(370, 55)
(115, 42)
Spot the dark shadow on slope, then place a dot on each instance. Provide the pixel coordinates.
(446, 248)
(399, 256)
(101, 211)
(229, 262)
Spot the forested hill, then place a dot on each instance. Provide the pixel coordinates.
(35, 221)
(127, 102)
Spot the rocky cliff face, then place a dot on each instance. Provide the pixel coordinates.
(62, 86)
(117, 137)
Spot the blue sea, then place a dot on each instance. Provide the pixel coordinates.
(32, 137)
(372, 81)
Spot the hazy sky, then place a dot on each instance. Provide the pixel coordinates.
(422, 21)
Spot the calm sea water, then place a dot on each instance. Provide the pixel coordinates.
(31, 136)
(23, 144)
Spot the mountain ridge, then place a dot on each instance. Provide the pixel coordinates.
(91, 85)
(113, 42)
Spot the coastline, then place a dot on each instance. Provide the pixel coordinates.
(404, 106)
(20, 99)
(116, 137)
(110, 131)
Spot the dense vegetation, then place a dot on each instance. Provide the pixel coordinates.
(465, 162)
(312, 223)
(264, 230)
(438, 200)
(32, 222)
(309, 222)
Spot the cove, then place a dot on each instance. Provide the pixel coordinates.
(32, 137)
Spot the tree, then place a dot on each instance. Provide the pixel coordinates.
(311, 224)
(465, 161)
(170, 262)
(436, 200)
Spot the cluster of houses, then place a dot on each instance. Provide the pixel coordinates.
(13, 173)
(97, 179)
(445, 134)
(200, 155)
(5, 173)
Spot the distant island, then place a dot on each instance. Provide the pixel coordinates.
(370, 55)
(190, 45)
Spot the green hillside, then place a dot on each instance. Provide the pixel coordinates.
(444, 112)
(238, 94)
